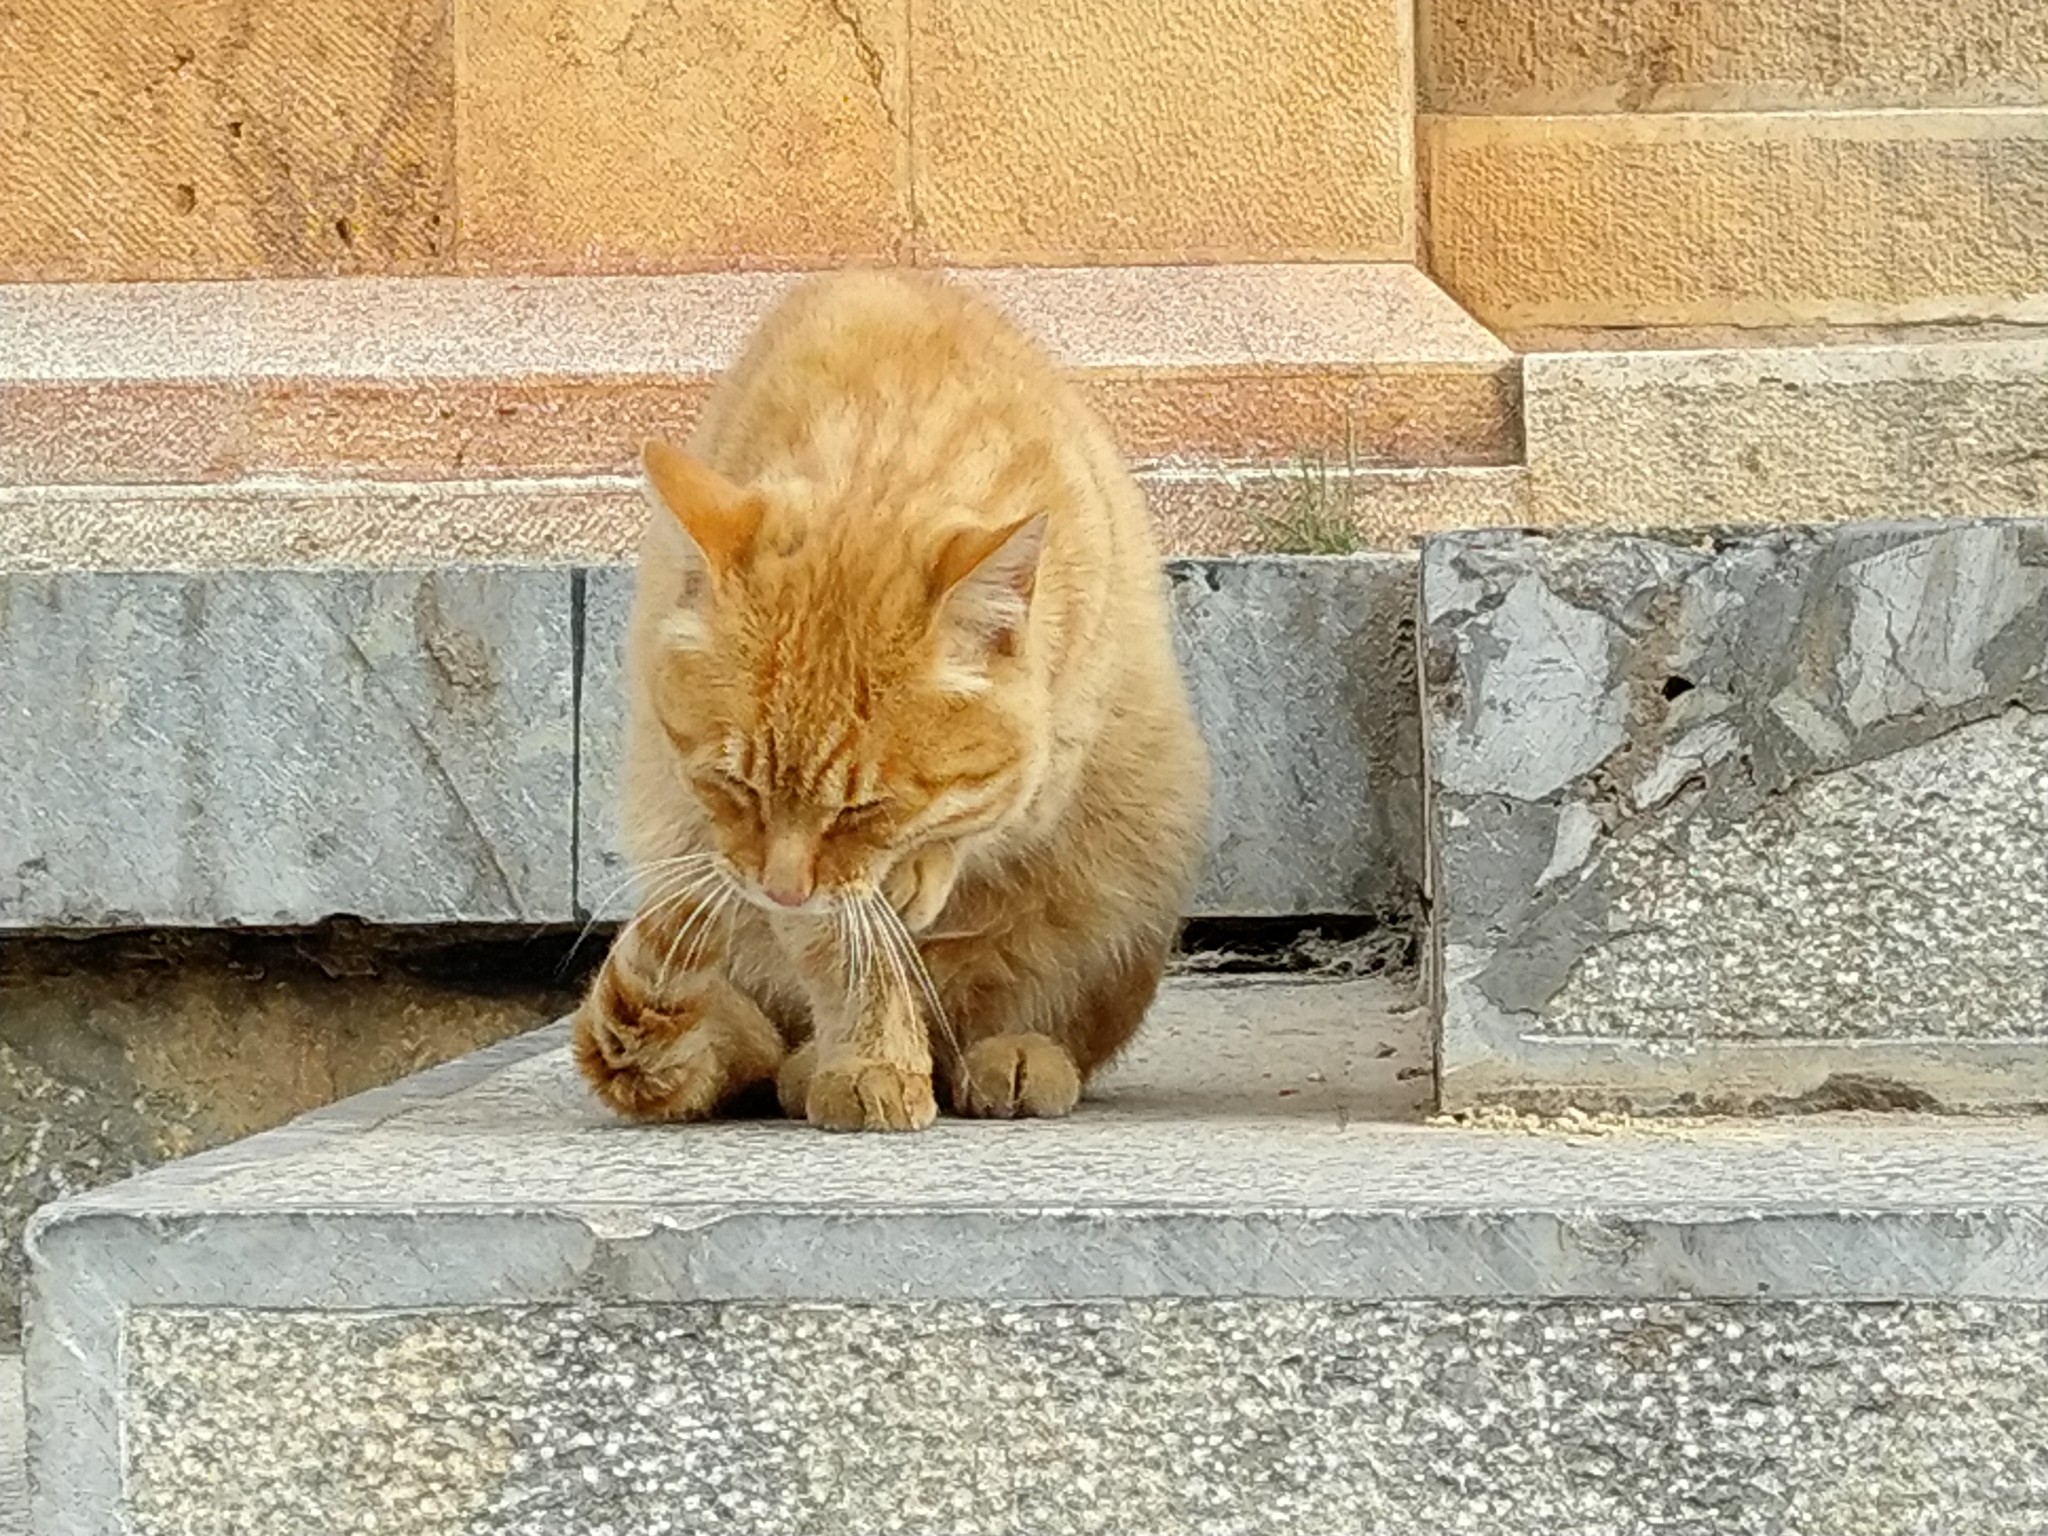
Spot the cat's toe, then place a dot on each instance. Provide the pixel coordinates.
(1008, 1076)
(862, 1095)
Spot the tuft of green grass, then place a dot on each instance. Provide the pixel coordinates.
(1319, 516)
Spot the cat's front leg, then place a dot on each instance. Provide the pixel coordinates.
(868, 1065)
(662, 1033)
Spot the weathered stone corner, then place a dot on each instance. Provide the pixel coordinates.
(1717, 822)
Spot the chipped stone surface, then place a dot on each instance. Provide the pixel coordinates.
(273, 747)
(1302, 675)
(1815, 842)
(1162, 1415)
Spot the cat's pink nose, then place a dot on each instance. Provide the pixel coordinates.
(787, 878)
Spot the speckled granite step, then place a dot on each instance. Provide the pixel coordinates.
(1247, 1290)
(13, 1474)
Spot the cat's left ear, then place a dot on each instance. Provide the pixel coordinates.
(720, 517)
(986, 577)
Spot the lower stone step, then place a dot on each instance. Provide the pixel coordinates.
(1246, 1290)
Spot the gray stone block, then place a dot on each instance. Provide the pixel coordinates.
(1221, 1298)
(1302, 674)
(272, 747)
(604, 882)
(1719, 822)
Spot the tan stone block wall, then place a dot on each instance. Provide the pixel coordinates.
(1572, 56)
(222, 138)
(619, 135)
(1744, 219)
(1741, 162)
(1140, 130)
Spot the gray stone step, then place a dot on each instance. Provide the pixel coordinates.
(1246, 1290)
(270, 747)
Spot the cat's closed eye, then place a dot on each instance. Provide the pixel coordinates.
(731, 788)
(851, 818)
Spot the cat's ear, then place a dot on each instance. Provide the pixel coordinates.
(720, 518)
(985, 579)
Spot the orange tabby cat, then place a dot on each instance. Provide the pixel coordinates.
(912, 785)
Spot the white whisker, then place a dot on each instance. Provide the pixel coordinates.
(697, 924)
(721, 907)
(681, 862)
(911, 953)
(908, 964)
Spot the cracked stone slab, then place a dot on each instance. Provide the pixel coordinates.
(1302, 675)
(475, 1298)
(1719, 821)
(273, 747)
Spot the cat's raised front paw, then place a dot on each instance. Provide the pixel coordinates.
(679, 1063)
(858, 1094)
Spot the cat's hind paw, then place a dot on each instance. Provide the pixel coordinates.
(1007, 1077)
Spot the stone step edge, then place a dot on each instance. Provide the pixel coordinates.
(431, 376)
(283, 522)
(1994, 1182)
(1618, 439)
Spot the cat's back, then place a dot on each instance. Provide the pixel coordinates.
(877, 329)
(899, 373)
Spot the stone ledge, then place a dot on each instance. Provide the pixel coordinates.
(257, 748)
(1645, 430)
(1740, 823)
(1672, 437)
(484, 1240)
(474, 378)
(1206, 510)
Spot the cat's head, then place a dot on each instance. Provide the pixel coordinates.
(841, 690)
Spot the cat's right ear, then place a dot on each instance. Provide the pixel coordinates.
(720, 518)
